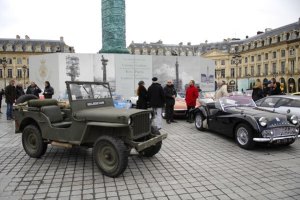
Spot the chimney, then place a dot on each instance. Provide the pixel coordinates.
(18, 37)
(259, 32)
(247, 36)
(268, 29)
(61, 38)
(27, 37)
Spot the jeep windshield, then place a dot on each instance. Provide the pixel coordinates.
(87, 90)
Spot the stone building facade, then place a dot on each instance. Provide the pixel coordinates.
(14, 56)
(272, 53)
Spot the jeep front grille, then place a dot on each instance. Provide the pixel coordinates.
(141, 125)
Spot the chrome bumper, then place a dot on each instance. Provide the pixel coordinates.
(275, 138)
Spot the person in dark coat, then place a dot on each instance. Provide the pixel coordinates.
(1, 96)
(276, 89)
(257, 92)
(19, 90)
(33, 89)
(10, 98)
(48, 91)
(170, 95)
(156, 97)
(142, 96)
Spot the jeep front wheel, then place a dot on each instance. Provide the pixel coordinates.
(32, 142)
(111, 155)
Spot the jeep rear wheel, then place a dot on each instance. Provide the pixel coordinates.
(32, 142)
(151, 151)
(111, 155)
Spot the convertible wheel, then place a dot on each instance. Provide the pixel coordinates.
(151, 151)
(111, 155)
(244, 136)
(32, 142)
(199, 122)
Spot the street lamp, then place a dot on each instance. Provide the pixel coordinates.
(236, 58)
(177, 74)
(24, 71)
(4, 62)
(104, 63)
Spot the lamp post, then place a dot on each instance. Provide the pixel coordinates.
(236, 59)
(177, 74)
(104, 63)
(4, 62)
(24, 71)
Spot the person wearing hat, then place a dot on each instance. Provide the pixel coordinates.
(191, 95)
(156, 97)
(142, 96)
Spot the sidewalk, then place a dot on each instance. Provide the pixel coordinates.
(190, 165)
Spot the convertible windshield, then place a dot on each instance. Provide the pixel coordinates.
(235, 101)
(89, 91)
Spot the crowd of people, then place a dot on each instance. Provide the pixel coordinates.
(158, 97)
(13, 92)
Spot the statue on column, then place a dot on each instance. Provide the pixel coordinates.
(113, 27)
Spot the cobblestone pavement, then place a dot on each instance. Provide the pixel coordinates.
(190, 165)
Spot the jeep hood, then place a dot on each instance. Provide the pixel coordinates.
(108, 114)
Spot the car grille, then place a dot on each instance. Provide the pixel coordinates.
(141, 125)
(280, 132)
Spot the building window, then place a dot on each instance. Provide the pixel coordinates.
(282, 53)
(246, 59)
(246, 71)
(240, 72)
(222, 62)
(19, 73)
(216, 63)
(266, 69)
(19, 61)
(258, 70)
(27, 72)
(274, 54)
(266, 56)
(232, 73)
(259, 58)
(9, 73)
(283, 67)
(222, 73)
(1, 73)
(252, 70)
(292, 66)
(252, 58)
(292, 52)
(274, 68)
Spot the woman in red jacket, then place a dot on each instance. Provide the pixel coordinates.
(191, 96)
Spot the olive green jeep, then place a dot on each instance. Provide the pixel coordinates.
(91, 120)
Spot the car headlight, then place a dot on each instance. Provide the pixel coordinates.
(294, 119)
(150, 115)
(263, 121)
(129, 121)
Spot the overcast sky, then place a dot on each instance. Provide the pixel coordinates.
(172, 21)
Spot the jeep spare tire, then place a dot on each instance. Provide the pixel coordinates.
(25, 97)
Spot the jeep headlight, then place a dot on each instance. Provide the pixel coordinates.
(263, 121)
(129, 121)
(294, 119)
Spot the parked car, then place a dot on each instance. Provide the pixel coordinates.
(90, 120)
(284, 104)
(296, 93)
(180, 108)
(238, 117)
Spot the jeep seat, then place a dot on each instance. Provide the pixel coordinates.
(54, 114)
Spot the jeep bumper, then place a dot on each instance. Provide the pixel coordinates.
(139, 146)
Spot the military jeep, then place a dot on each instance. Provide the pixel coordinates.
(90, 120)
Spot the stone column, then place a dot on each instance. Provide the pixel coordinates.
(113, 27)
